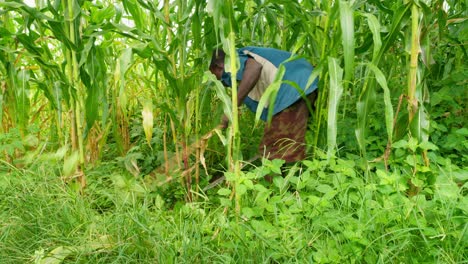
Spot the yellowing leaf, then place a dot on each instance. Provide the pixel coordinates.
(56, 256)
(70, 164)
(147, 115)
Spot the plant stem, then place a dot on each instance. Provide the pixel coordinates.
(235, 134)
(412, 77)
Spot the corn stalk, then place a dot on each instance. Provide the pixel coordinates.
(413, 66)
(72, 30)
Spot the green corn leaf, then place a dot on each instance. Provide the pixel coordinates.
(381, 5)
(347, 39)
(374, 26)
(336, 90)
(59, 32)
(382, 81)
(314, 76)
(221, 94)
(125, 61)
(33, 12)
(419, 126)
(137, 15)
(98, 16)
(398, 17)
(299, 43)
(96, 69)
(364, 105)
(301, 93)
(11, 4)
(22, 99)
(215, 9)
(196, 30)
(72, 13)
(367, 97)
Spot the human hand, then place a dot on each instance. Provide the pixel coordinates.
(224, 122)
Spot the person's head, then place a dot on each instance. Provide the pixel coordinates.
(217, 63)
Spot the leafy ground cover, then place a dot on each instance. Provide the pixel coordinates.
(321, 211)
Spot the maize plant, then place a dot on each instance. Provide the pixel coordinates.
(82, 72)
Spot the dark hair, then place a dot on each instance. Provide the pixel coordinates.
(217, 58)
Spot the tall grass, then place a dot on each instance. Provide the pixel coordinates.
(299, 219)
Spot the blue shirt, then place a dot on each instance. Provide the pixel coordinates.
(297, 71)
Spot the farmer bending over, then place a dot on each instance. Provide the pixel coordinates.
(284, 138)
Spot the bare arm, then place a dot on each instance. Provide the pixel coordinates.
(252, 72)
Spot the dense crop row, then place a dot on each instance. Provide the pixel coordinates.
(113, 100)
